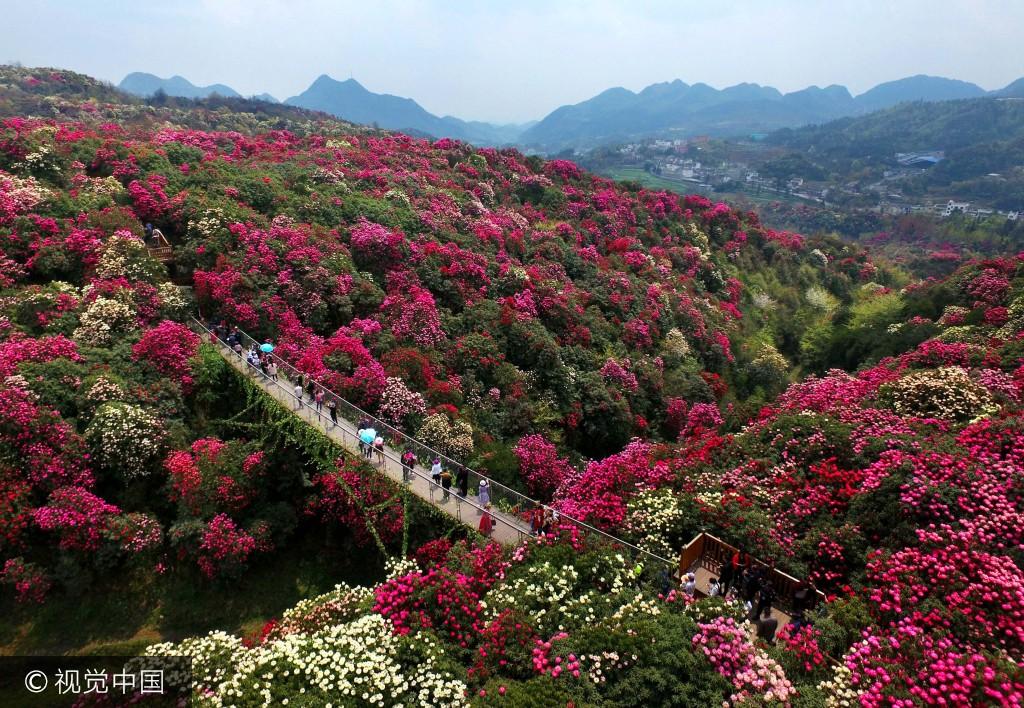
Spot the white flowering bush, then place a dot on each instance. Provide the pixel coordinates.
(675, 344)
(821, 299)
(103, 320)
(125, 438)
(103, 390)
(124, 255)
(453, 438)
(211, 223)
(360, 663)
(838, 690)
(947, 393)
(769, 368)
(654, 517)
(558, 599)
(174, 304)
(764, 301)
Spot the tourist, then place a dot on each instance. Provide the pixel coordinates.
(714, 588)
(367, 436)
(486, 521)
(332, 409)
(801, 597)
(462, 481)
(483, 493)
(319, 398)
(689, 584)
(537, 521)
(298, 396)
(548, 524)
(729, 570)
(446, 484)
(408, 463)
(435, 470)
(766, 597)
(272, 369)
(766, 627)
(751, 584)
(665, 577)
(378, 447)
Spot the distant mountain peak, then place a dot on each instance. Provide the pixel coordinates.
(143, 84)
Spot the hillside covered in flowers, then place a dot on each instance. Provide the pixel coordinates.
(654, 365)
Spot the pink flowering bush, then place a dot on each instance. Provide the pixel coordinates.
(753, 675)
(540, 466)
(170, 347)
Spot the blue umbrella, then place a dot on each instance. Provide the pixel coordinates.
(368, 436)
(267, 347)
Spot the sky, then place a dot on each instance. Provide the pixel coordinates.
(518, 60)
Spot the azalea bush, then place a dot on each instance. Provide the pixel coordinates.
(125, 439)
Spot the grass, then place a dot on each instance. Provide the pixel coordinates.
(122, 617)
(636, 174)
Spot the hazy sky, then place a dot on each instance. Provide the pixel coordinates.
(519, 59)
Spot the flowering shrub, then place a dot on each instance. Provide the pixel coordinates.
(362, 663)
(224, 548)
(104, 319)
(361, 500)
(77, 516)
(452, 438)
(169, 347)
(753, 674)
(540, 466)
(29, 581)
(398, 404)
(125, 439)
(947, 393)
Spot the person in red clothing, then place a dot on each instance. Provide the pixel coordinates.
(537, 520)
(486, 521)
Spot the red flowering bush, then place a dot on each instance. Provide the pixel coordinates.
(359, 499)
(224, 548)
(170, 347)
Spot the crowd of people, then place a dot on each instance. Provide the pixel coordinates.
(372, 443)
(745, 580)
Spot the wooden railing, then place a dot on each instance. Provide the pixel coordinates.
(711, 553)
(159, 247)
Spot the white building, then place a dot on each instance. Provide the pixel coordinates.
(953, 207)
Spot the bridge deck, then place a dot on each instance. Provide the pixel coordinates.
(508, 529)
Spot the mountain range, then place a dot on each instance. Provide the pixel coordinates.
(670, 109)
(142, 84)
(351, 101)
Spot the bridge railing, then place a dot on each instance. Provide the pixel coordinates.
(711, 553)
(503, 498)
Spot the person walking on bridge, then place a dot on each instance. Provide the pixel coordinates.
(446, 485)
(486, 522)
(483, 493)
(408, 463)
